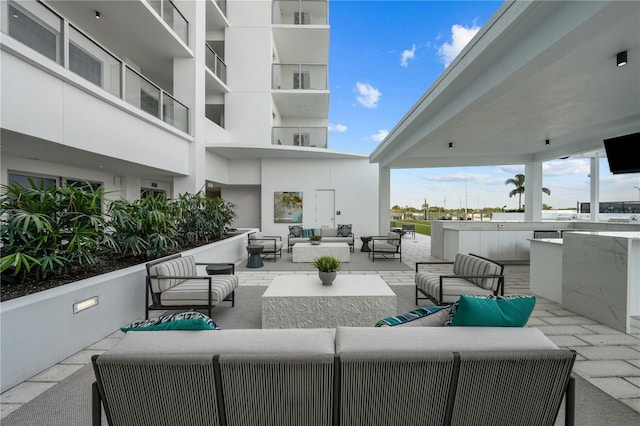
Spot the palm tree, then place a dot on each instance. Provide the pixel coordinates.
(518, 181)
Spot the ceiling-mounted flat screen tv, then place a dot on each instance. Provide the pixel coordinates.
(622, 153)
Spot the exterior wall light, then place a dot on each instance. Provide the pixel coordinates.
(85, 304)
(621, 58)
(450, 145)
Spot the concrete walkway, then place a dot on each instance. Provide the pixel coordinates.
(607, 358)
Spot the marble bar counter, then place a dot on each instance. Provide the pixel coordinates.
(601, 276)
(545, 271)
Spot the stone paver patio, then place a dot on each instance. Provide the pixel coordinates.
(607, 358)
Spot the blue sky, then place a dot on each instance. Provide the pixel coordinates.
(383, 56)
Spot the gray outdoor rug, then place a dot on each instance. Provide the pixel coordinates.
(360, 261)
(69, 402)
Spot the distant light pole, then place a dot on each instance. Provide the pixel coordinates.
(638, 192)
(465, 199)
(425, 206)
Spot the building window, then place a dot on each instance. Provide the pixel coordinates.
(85, 65)
(149, 103)
(301, 80)
(40, 181)
(152, 192)
(31, 31)
(301, 139)
(301, 18)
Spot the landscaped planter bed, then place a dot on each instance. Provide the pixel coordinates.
(39, 330)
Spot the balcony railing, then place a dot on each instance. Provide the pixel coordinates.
(300, 12)
(299, 77)
(173, 17)
(299, 136)
(222, 4)
(38, 27)
(216, 64)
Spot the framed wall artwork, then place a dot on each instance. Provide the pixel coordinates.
(287, 207)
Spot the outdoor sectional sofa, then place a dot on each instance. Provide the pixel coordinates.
(299, 234)
(347, 376)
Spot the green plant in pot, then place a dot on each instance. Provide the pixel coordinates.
(315, 239)
(327, 266)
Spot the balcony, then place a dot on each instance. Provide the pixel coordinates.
(298, 25)
(216, 65)
(299, 77)
(300, 90)
(300, 12)
(299, 136)
(41, 29)
(216, 15)
(173, 17)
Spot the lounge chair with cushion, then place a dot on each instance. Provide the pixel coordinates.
(386, 246)
(272, 244)
(471, 275)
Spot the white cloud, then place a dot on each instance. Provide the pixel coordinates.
(368, 96)
(566, 167)
(407, 55)
(379, 137)
(340, 128)
(460, 36)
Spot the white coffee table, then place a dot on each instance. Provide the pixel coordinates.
(306, 252)
(301, 301)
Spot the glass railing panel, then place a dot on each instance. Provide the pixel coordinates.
(93, 63)
(141, 93)
(35, 26)
(215, 63)
(300, 12)
(176, 21)
(300, 136)
(299, 77)
(174, 113)
(222, 4)
(156, 5)
(215, 113)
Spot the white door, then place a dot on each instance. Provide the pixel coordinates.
(325, 208)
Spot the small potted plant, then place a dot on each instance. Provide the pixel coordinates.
(327, 268)
(315, 239)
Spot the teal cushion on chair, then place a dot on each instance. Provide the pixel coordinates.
(493, 311)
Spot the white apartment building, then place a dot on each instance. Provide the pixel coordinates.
(160, 96)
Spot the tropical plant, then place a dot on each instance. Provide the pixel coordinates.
(49, 230)
(518, 181)
(145, 228)
(326, 264)
(202, 219)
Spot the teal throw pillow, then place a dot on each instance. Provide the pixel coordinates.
(422, 315)
(177, 321)
(493, 311)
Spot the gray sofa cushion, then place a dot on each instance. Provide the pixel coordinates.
(419, 339)
(195, 291)
(465, 264)
(184, 266)
(329, 232)
(246, 341)
(452, 288)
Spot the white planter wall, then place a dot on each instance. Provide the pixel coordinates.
(40, 330)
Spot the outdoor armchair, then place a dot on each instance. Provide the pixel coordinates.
(386, 246)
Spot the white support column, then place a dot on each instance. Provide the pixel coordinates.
(533, 192)
(189, 88)
(384, 201)
(594, 178)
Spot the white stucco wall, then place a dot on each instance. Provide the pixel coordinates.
(355, 183)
